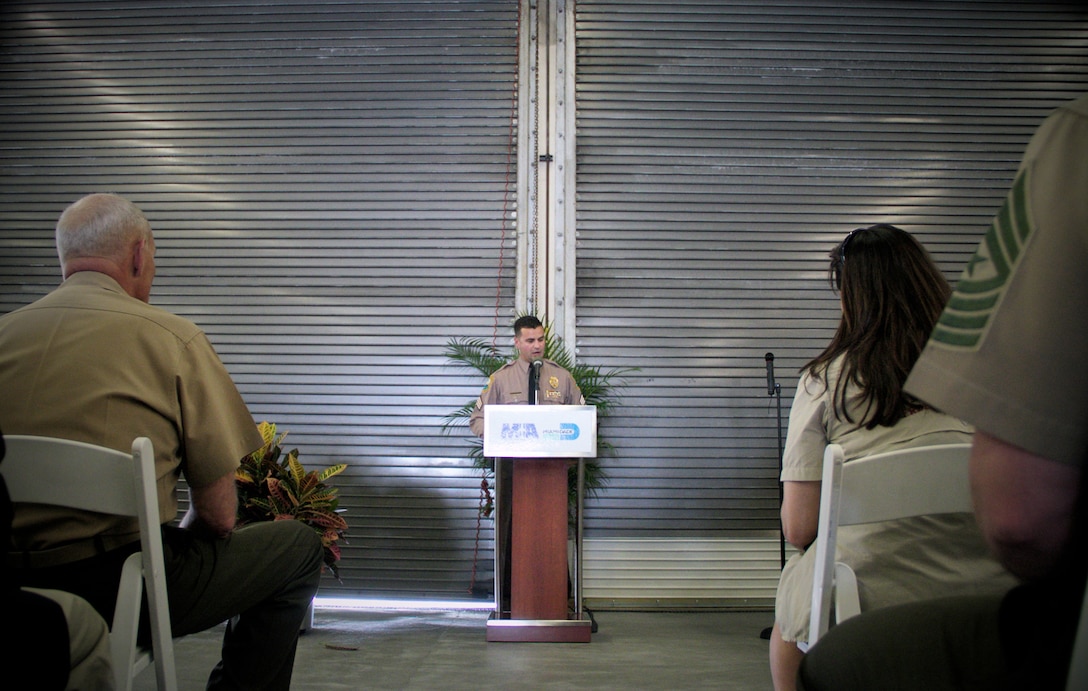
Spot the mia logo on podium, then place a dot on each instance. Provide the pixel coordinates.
(568, 431)
(519, 430)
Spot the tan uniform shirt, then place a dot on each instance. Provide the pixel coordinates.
(90, 363)
(1009, 354)
(509, 385)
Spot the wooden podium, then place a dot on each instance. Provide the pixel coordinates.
(542, 440)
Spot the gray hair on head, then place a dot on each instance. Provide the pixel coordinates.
(99, 225)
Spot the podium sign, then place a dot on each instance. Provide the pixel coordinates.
(540, 431)
(541, 440)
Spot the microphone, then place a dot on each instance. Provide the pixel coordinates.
(534, 380)
(769, 357)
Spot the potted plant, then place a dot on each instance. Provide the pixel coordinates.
(271, 488)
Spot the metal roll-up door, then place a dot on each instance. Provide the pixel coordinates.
(723, 149)
(329, 184)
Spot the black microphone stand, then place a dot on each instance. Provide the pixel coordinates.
(775, 389)
(534, 381)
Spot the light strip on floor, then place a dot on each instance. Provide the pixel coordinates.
(358, 603)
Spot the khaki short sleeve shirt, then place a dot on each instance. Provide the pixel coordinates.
(510, 386)
(1008, 353)
(90, 363)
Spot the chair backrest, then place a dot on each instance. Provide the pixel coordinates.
(1078, 664)
(61, 472)
(896, 484)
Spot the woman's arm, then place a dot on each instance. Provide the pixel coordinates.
(800, 512)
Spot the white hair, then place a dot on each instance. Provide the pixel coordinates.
(99, 225)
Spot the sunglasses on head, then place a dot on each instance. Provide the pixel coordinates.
(846, 241)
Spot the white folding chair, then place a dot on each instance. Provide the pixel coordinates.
(897, 484)
(60, 472)
(1078, 664)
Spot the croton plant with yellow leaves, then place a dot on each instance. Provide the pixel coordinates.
(271, 489)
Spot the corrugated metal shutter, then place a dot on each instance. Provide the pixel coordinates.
(327, 182)
(723, 149)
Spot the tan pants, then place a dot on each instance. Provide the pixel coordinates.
(89, 642)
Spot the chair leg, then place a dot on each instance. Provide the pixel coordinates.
(126, 622)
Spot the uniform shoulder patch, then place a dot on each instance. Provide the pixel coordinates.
(963, 324)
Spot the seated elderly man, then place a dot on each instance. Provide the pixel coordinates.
(93, 361)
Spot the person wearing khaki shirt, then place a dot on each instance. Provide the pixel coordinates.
(509, 385)
(94, 361)
(1008, 356)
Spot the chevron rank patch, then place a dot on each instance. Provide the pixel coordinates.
(964, 322)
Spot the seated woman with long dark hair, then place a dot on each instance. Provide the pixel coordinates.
(852, 394)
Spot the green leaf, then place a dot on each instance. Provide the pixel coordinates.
(287, 491)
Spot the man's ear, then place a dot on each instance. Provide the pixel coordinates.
(137, 258)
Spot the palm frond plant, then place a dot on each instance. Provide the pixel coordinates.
(271, 489)
(599, 387)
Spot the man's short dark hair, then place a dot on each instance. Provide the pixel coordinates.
(526, 322)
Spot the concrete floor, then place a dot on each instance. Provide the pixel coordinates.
(447, 650)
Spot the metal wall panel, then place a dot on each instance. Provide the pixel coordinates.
(327, 183)
(723, 149)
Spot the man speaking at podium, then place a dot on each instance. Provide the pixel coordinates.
(528, 380)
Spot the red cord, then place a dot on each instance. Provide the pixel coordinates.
(485, 506)
(485, 489)
(511, 145)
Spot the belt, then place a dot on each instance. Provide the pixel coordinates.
(68, 553)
